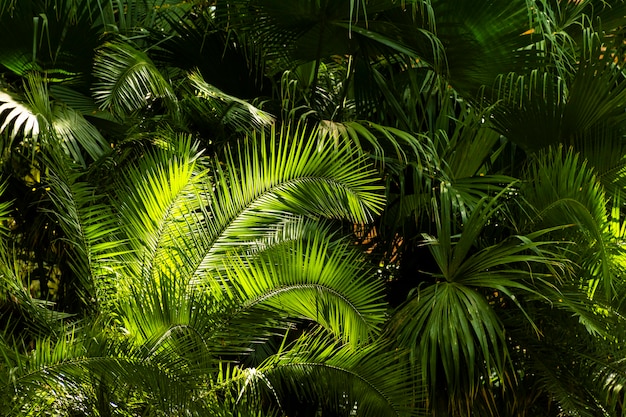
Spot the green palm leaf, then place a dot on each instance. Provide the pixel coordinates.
(451, 325)
(38, 120)
(564, 190)
(370, 381)
(230, 111)
(128, 80)
(17, 117)
(159, 199)
(277, 175)
(90, 226)
(313, 278)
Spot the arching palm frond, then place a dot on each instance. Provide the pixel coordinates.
(90, 229)
(371, 381)
(82, 371)
(37, 120)
(17, 117)
(128, 80)
(196, 260)
(280, 174)
(384, 143)
(564, 190)
(209, 101)
(313, 278)
(180, 219)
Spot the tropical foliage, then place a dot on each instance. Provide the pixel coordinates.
(313, 208)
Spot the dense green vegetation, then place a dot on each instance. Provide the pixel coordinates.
(312, 208)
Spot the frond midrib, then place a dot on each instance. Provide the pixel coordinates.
(282, 289)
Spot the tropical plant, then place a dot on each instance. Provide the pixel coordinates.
(497, 129)
(190, 264)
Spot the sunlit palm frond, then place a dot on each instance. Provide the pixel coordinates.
(77, 135)
(82, 372)
(90, 228)
(230, 111)
(314, 278)
(159, 199)
(181, 220)
(283, 173)
(455, 337)
(37, 120)
(17, 118)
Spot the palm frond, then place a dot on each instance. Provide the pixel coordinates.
(597, 90)
(278, 174)
(39, 121)
(385, 143)
(499, 34)
(530, 108)
(159, 200)
(456, 312)
(314, 278)
(77, 135)
(128, 80)
(17, 118)
(564, 190)
(26, 318)
(73, 372)
(79, 102)
(231, 111)
(370, 381)
(90, 228)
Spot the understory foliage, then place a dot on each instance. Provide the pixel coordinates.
(312, 208)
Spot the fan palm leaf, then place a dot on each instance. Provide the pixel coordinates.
(451, 324)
